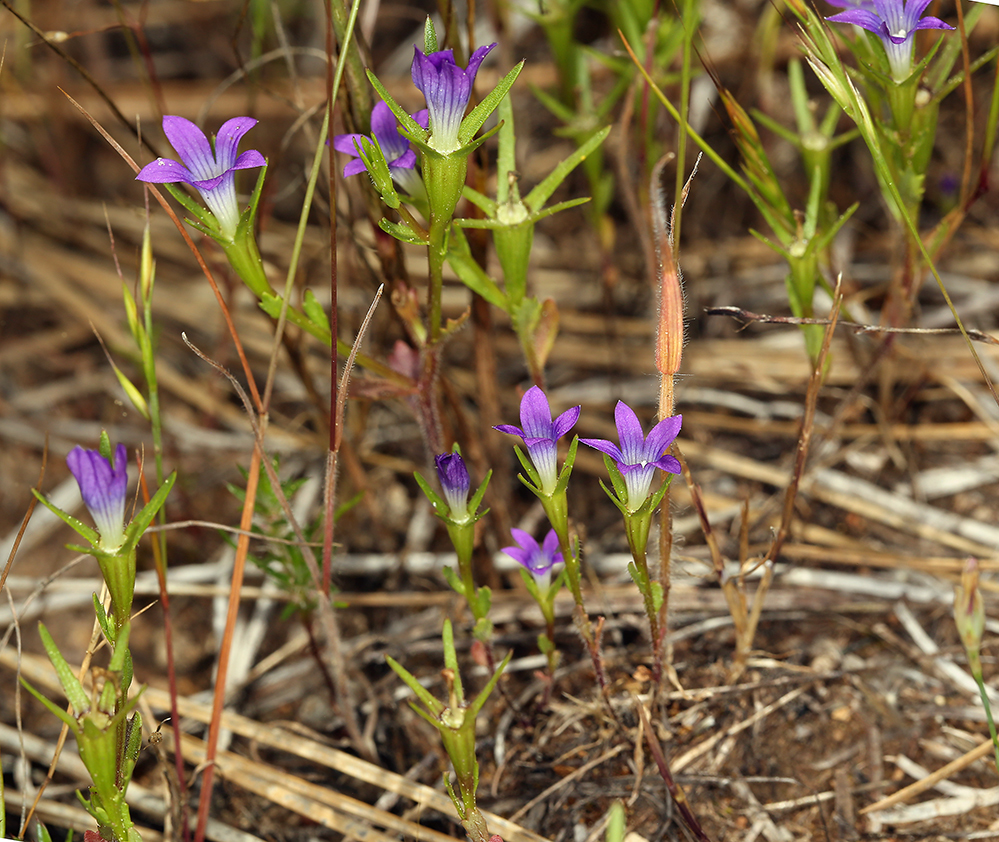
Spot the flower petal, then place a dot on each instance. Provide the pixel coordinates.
(863, 18)
(630, 434)
(565, 422)
(165, 171)
(227, 141)
(192, 146)
(669, 464)
(249, 159)
(662, 435)
(605, 446)
(511, 430)
(345, 143)
(536, 414)
(355, 167)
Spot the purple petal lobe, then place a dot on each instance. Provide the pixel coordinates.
(192, 146)
(227, 140)
(165, 171)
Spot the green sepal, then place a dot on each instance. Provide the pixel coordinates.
(429, 37)
(555, 587)
(204, 220)
(78, 526)
(570, 460)
(530, 583)
(533, 479)
(401, 232)
(244, 228)
(378, 170)
(410, 125)
(439, 503)
(140, 523)
(476, 499)
(543, 190)
(478, 115)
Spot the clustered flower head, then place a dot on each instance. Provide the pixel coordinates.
(399, 155)
(540, 433)
(103, 485)
(453, 476)
(447, 89)
(537, 558)
(638, 456)
(212, 173)
(895, 22)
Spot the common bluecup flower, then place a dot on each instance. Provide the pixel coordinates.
(103, 485)
(894, 22)
(447, 89)
(212, 173)
(453, 475)
(638, 456)
(399, 155)
(537, 558)
(540, 433)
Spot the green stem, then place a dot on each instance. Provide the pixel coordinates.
(988, 714)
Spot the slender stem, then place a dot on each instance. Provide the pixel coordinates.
(988, 715)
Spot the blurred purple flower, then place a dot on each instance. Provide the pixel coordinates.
(894, 22)
(399, 156)
(212, 173)
(638, 456)
(447, 89)
(537, 559)
(540, 433)
(453, 474)
(103, 486)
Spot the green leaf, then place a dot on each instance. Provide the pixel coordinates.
(401, 232)
(451, 659)
(71, 685)
(472, 275)
(53, 708)
(81, 528)
(314, 311)
(435, 706)
(454, 580)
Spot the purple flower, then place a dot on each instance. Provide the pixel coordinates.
(212, 173)
(638, 457)
(399, 156)
(537, 559)
(540, 433)
(453, 474)
(103, 486)
(894, 21)
(447, 89)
